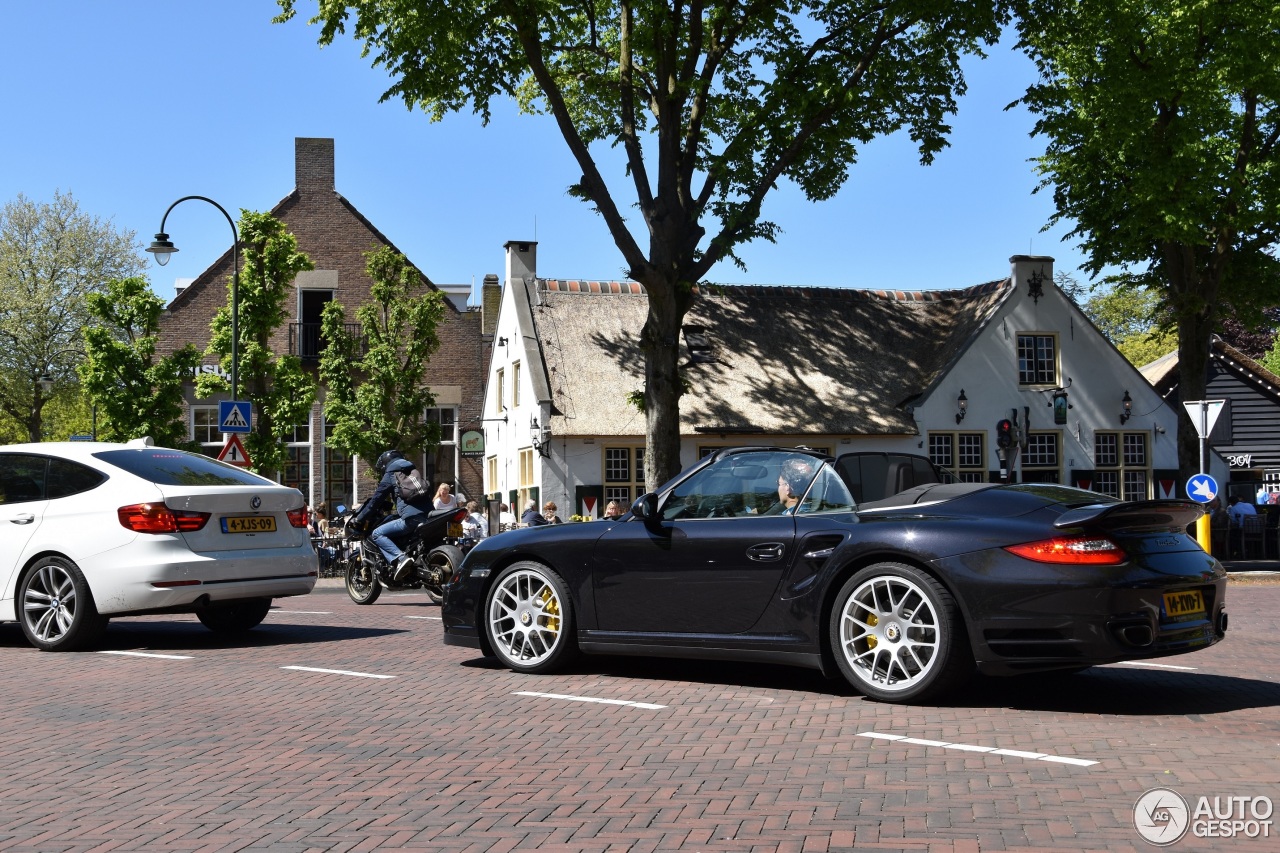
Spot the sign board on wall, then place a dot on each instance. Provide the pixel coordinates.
(472, 444)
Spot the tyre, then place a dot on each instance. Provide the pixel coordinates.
(57, 609)
(442, 562)
(529, 619)
(898, 636)
(234, 617)
(362, 585)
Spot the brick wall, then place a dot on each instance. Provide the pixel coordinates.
(335, 236)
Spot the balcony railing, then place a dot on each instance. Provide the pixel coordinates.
(307, 342)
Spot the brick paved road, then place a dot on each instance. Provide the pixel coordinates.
(219, 748)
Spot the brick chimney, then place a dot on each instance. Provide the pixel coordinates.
(490, 304)
(313, 165)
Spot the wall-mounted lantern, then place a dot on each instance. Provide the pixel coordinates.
(540, 436)
(962, 406)
(1127, 402)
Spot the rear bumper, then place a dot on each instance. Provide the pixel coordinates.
(168, 576)
(1071, 617)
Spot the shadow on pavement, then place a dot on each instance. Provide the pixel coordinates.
(160, 635)
(1100, 690)
(1120, 691)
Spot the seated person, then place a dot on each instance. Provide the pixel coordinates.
(793, 478)
(531, 517)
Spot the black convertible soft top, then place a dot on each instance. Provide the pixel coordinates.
(928, 493)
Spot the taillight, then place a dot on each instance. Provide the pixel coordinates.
(158, 518)
(460, 514)
(297, 517)
(1072, 550)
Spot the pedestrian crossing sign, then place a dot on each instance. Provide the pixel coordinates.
(234, 453)
(234, 415)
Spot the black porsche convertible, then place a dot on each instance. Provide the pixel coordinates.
(768, 554)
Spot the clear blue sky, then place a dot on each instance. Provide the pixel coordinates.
(131, 105)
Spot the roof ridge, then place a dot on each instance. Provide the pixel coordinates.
(634, 288)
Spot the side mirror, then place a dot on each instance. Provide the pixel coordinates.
(646, 507)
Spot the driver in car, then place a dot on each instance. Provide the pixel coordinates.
(793, 478)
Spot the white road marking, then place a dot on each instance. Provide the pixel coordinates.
(1149, 663)
(307, 612)
(437, 618)
(148, 655)
(589, 699)
(967, 747)
(337, 672)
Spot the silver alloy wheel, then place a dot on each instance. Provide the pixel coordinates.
(49, 603)
(889, 633)
(525, 617)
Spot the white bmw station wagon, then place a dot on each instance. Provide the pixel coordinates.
(91, 530)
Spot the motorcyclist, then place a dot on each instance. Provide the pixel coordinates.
(388, 465)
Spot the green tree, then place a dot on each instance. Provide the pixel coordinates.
(712, 103)
(133, 392)
(376, 394)
(52, 256)
(1271, 361)
(1162, 121)
(281, 390)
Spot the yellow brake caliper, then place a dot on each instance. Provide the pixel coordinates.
(871, 638)
(551, 607)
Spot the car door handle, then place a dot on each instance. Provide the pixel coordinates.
(766, 553)
(25, 518)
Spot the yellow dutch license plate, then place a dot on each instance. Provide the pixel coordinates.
(249, 524)
(1182, 605)
(455, 529)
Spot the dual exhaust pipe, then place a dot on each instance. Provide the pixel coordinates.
(1142, 634)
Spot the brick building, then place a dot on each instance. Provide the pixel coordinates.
(335, 235)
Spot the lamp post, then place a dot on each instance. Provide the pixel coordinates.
(162, 249)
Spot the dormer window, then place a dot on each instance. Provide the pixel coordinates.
(699, 345)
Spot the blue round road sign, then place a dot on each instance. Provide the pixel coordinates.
(1202, 488)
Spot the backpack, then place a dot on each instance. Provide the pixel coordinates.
(410, 486)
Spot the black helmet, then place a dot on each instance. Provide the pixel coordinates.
(387, 457)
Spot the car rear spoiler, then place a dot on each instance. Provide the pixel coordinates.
(1136, 515)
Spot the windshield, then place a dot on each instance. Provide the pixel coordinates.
(168, 467)
(758, 483)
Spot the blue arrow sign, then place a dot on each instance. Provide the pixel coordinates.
(235, 415)
(1202, 488)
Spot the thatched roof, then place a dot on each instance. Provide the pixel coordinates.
(773, 360)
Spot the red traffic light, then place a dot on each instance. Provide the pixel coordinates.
(1004, 433)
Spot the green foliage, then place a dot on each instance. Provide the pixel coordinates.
(376, 394)
(52, 256)
(712, 104)
(282, 392)
(1162, 122)
(135, 392)
(1271, 361)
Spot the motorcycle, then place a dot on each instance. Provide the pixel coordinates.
(435, 546)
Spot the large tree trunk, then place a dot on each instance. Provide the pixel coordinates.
(1195, 294)
(660, 341)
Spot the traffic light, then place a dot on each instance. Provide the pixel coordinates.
(1004, 433)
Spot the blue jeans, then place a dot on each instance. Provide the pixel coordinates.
(381, 536)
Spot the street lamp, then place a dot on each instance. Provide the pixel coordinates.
(162, 249)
